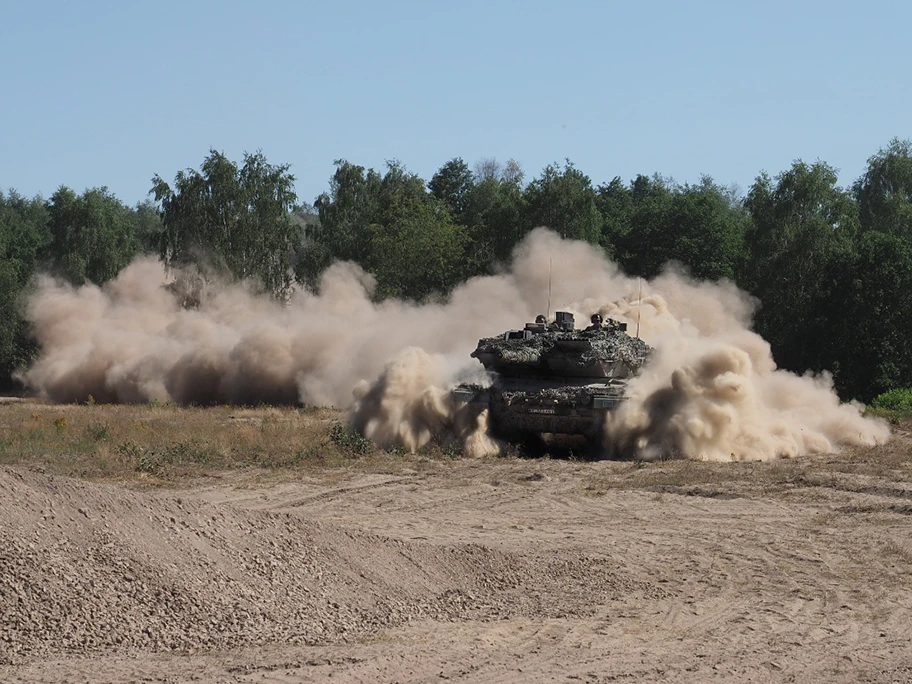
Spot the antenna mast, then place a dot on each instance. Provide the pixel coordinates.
(550, 269)
(639, 307)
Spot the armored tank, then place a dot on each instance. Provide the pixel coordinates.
(550, 378)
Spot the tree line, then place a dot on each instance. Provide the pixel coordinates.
(831, 265)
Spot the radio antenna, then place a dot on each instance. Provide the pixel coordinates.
(639, 307)
(550, 269)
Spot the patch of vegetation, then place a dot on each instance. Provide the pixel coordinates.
(899, 399)
(290, 459)
(121, 442)
(98, 431)
(452, 449)
(350, 440)
(157, 460)
(129, 449)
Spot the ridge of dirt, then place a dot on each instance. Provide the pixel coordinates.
(87, 568)
(474, 571)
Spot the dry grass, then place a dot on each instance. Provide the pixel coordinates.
(159, 444)
(163, 444)
(898, 550)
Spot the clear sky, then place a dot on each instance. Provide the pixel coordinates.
(109, 93)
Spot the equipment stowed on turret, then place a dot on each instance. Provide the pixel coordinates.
(552, 378)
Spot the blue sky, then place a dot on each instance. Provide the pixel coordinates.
(109, 93)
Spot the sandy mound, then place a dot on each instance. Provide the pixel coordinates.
(88, 568)
(467, 570)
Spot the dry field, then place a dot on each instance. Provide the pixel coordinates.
(160, 544)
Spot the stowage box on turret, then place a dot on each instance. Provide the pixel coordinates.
(552, 378)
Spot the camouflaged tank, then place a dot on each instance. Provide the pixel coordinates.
(552, 378)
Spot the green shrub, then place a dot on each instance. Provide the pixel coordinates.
(899, 399)
(349, 439)
(158, 460)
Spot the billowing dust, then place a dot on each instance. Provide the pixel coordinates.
(712, 390)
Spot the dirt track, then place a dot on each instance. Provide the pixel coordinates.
(477, 571)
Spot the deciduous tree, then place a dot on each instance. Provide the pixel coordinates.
(93, 235)
(564, 200)
(235, 218)
(884, 192)
(801, 225)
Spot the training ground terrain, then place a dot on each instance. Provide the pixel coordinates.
(160, 544)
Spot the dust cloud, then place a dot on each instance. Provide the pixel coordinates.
(711, 392)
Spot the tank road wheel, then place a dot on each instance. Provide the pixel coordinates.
(595, 440)
(532, 445)
(528, 444)
(595, 447)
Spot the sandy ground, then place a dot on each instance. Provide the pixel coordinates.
(473, 571)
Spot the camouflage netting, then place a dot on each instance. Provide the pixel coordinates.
(605, 347)
(580, 394)
(619, 347)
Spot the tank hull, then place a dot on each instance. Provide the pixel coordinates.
(518, 407)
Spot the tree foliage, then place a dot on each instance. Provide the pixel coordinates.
(494, 215)
(803, 224)
(452, 184)
(93, 235)
(831, 266)
(564, 200)
(23, 238)
(884, 192)
(390, 225)
(235, 218)
(417, 251)
(865, 337)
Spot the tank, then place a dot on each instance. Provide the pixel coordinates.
(550, 378)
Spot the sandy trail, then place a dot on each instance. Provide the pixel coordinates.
(475, 571)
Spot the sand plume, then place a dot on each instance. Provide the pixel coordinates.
(712, 390)
(409, 405)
